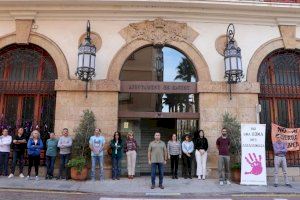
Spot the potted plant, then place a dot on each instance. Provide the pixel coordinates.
(81, 153)
(234, 128)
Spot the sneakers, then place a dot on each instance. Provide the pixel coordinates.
(21, 175)
(203, 177)
(228, 182)
(11, 176)
(221, 183)
(275, 185)
(27, 178)
(161, 187)
(37, 178)
(152, 187)
(199, 178)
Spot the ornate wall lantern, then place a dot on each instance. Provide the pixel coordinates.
(232, 59)
(86, 59)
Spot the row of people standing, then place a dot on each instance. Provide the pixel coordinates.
(34, 145)
(185, 151)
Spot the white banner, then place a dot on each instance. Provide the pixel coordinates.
(253, 169)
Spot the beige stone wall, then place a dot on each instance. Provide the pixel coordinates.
(213, 106)
(70, 106)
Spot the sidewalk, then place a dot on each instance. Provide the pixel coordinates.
(141, 186)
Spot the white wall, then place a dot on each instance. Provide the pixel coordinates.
(248, 37)
(66, 35)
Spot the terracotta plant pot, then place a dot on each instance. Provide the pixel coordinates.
(236, 175)
(79, 176)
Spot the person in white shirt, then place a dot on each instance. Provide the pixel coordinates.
(5, 141)
(187, 156)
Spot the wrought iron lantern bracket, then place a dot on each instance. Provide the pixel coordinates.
(86, 59)
(232, 59)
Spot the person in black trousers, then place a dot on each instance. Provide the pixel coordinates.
(187, 149)
(19, 146)
(174, 153)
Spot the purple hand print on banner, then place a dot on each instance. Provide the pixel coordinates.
(255, 164)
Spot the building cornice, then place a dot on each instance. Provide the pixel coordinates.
(247, 12)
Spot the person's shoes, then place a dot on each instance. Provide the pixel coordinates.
(129, 177)
(161, 187)
(152, 187)
(21, 175)
(228, 182)
(47, 177)
(58, 178)
(37, 178)
(221, 183)
(173, 177)
(176, 177)
(50, 177)
(199, 178)
(275, 185)
(190, 177)
(132, 177)
(203, 177)
(185, 177)
(11, 176)
(28, 178)
(288, 185)
(118, 178)
(113, 178)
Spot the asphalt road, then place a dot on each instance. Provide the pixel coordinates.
(9, 194)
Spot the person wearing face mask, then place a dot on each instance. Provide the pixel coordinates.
(223, 144)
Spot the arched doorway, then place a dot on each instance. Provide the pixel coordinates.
(27, 96)
(158, 93)
(279, 77)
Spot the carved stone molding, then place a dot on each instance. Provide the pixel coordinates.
(23, 29)
(159, 32)
(288, 34)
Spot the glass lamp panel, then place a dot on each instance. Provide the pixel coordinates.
(86, 60)
(227, 64)
(93, 61)
(233, 62)
(80, 60)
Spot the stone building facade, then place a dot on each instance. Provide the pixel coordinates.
(119, 28)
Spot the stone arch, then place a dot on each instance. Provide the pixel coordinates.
(48, 45)
(190, 51)
(262, 52)
(159, 32)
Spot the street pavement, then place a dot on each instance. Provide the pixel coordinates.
(139, 188)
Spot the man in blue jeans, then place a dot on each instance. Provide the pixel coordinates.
(157, 158)
(96, 144)
(65, 145)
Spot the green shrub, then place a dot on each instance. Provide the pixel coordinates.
(81, 152)
(233, 127)
(78, 163)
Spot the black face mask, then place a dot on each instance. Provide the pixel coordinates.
(224, 134)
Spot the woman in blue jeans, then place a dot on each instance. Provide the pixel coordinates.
(51, 155)
(116, 146)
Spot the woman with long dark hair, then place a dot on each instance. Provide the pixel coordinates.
(201, 146)
(174, 153)
(116, 145)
